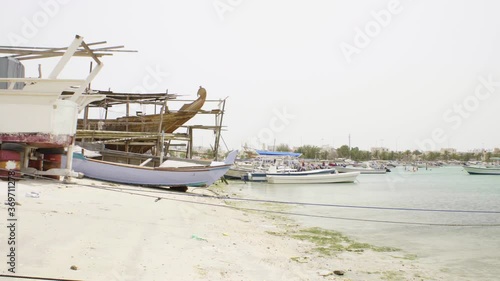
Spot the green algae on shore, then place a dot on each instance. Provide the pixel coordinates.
(329, 242)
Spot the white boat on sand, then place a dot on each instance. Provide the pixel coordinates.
(313, 178)
(200, 176)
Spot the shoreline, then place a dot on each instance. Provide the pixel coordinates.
(108, 235)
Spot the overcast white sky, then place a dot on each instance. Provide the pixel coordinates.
(400, 74)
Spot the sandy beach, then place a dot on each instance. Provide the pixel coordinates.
(84, 232)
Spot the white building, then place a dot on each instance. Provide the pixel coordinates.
(379, 149)
(448, 150)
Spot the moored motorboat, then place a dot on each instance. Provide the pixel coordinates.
(482, 170)
(236, 172)
(262, 176)
(491, 169)
(271, 162)
(362, 170)
(313, 178)
(477, 170)
(239, 170)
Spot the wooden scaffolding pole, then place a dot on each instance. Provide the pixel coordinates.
(189, 152)
(218, 126)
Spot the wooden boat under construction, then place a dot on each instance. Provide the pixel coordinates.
(165, 121)
(142, 132)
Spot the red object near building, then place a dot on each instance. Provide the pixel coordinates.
(10, 160)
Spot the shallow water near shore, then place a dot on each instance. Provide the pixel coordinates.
(464, 244)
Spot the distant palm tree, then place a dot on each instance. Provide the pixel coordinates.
(446, 155)
(407, 153)
(283, 147)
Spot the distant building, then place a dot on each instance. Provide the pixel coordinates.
(327, 147)
(478, 150)
(379, 149)
(448, 150)
(331, 152)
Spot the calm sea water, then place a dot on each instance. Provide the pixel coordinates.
(467, 252)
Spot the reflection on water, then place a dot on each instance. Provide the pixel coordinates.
(467, 251)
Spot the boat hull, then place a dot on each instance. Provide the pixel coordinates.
(135, 175)
(263, 176)
(367, 171)
(314, 178)
(235, 173)
(482, 170)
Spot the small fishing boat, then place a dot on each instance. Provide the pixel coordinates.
(493, 169)
(262, 176)
(238, 171)
(199, 176)
(272, 162)
(482, 170)
(368, 167)
(312, 178)
(362, 170)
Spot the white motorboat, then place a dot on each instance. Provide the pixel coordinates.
(478, 170)
(238, 170)
(492, 169)
(362, 170)
(272, 162)
(312, 178)
(273, 171)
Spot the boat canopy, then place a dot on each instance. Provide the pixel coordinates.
(278, 153)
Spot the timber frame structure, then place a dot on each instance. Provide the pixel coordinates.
(125, 145)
